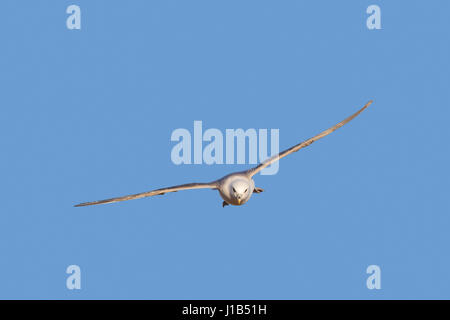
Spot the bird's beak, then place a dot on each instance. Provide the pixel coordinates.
(239, 201)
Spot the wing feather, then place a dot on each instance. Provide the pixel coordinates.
(188, 186)
(305, 143)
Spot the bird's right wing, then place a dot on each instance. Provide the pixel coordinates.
(212, 185)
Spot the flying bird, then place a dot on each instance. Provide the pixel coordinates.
(235, 188)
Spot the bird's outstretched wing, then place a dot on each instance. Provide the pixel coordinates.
(303, 144)
(212, 185)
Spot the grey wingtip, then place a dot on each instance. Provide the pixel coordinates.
(84, 204)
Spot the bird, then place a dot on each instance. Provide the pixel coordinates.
(235, 188)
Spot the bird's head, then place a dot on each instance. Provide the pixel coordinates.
(240, 189)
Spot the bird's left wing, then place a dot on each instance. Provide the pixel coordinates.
(303, 144)
(212, 185)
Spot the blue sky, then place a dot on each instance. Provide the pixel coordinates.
(88, 114)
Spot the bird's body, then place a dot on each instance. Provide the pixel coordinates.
(235, 188)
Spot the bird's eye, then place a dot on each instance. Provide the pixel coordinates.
(234, 190)
(245, 190)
